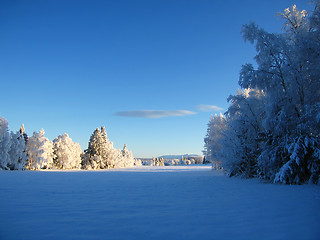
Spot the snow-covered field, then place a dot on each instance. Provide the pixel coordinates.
(180, 202)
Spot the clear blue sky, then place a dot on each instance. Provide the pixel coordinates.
(72, 66)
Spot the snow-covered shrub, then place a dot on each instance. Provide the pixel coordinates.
(137, 162)
(187, 162)
(171, 162)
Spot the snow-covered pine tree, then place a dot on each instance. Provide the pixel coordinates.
(92, 158)
(4, 144)
(126, 157)
(25, 136)
(18, 151)
(67, 153)
(40, 151)
(108, 154)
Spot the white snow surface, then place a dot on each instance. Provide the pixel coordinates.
(176, 202)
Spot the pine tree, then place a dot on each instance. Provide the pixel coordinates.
(22, 132)
(4, 144)
(92, 158)
(18, 152)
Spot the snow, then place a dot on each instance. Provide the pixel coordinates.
(176, 202)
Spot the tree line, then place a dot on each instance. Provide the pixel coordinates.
(18, 151)
(271, 128)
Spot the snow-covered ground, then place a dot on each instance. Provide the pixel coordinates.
(179, 202)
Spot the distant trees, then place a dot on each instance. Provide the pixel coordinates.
(19, 152)
(272, 124)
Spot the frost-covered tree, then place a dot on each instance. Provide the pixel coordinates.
(101, 154)
(126, 159)
(67, 153)
(4, 144)
(22, 132)
(18, 150)
(212, 141)
(240, 146)
(274, 132)
(40, 151)
(92, 157)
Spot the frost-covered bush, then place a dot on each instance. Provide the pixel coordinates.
(171, 162)
(187, 162)
(137, 162)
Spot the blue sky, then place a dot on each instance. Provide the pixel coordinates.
(152, 72)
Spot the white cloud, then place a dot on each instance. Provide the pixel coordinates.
(209, 108)
(155, 113)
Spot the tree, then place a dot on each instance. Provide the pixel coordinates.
(92, 158)
(240, 145)
(67, 153)
(212, 141)
(101, 154)
(22, 132)
(18, 151)
(40, 151)
(4, 144)
(272, 124)
(126, 159)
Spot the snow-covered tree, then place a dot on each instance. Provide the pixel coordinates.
(90, 159)
(22, 132)
(274, 132)
(40, 151)
(101, 154)
(126, 159)
(240, 146)
(67, 153)
(4, 144)
(212, 141)
(18, 150)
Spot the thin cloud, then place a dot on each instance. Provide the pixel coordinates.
(209, 108)
(154, 113)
